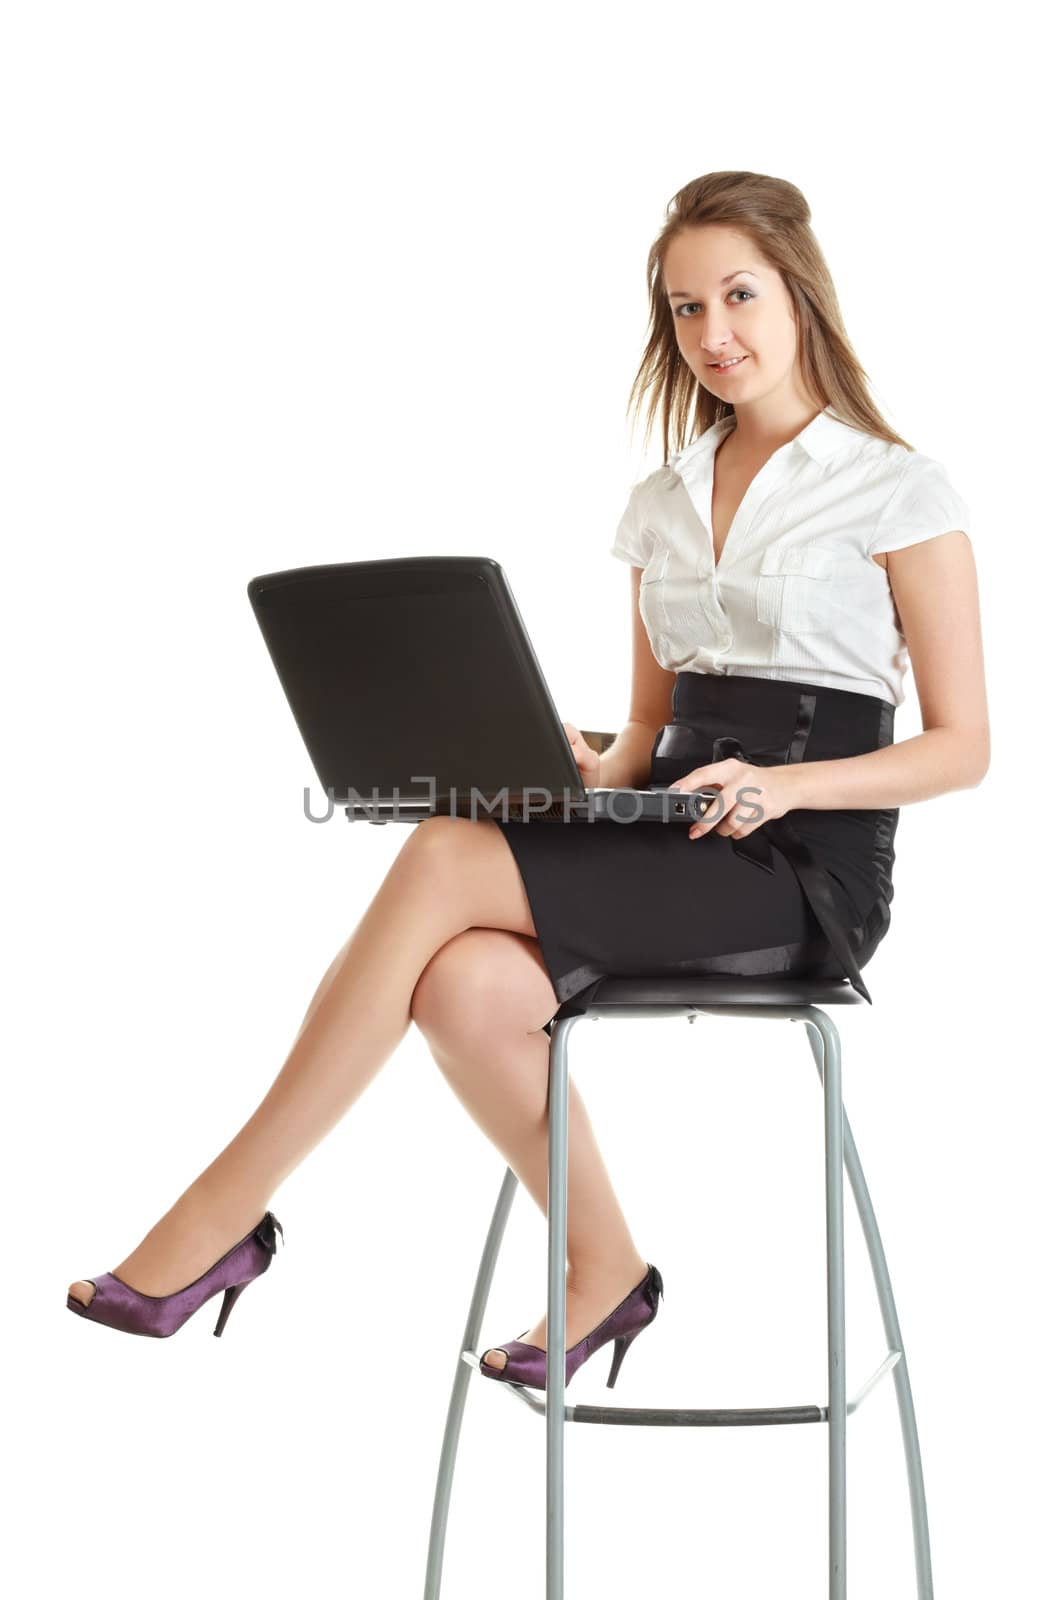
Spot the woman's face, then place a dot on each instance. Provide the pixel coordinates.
(727, 302)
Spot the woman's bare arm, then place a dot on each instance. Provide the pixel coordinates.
(936, 594)
(626, 764)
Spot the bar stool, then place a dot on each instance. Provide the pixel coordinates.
(788, 999)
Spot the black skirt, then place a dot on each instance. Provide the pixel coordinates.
(807, 894)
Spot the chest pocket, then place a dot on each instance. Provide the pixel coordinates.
(803, 590)
(653, 591)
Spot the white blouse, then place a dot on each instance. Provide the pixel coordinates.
(796, 593)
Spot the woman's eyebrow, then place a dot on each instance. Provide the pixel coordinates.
(688, 293)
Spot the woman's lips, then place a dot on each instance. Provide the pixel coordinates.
(723, 371)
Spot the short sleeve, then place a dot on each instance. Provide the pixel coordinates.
(924, 504)
(631, 542)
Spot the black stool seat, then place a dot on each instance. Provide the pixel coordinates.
(723, 990)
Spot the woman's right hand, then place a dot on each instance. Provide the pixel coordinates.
(588, 760)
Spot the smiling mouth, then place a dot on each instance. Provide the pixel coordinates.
(723, 366)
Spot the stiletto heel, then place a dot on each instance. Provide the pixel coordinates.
(231, 1296)
(526, 1362)
(118, 1305)
(622, 1344)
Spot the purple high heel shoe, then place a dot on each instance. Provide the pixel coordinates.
(118, 1305)
(526, 1362)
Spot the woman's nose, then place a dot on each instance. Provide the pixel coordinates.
(715, 337)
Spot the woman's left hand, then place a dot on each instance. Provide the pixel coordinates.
(747, 796)
(585, 757)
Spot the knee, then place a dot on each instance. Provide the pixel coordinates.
(436, 852)
(483, 982)
(437, 837)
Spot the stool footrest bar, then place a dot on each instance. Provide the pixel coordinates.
(654, 1417)
(666, 1417)
(712, 1417)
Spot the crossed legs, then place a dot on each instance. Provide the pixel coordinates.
(447, 939)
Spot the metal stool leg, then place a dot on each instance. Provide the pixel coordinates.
(903, 1390)
(472, 1329)
(556, 1340)
(828, 1041)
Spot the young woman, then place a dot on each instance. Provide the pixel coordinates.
(789, 563)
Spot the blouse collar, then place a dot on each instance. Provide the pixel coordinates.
(823, 437)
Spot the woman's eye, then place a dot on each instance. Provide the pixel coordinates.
(693, 305)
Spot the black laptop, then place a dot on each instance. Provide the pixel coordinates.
(417, 692)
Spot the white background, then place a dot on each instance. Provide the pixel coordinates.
(297, 284)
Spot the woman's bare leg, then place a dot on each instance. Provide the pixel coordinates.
(453, 873)
(480, 1005)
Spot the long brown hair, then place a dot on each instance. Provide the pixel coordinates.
(774, 215)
